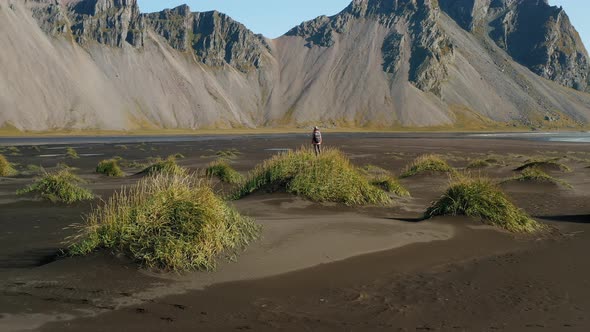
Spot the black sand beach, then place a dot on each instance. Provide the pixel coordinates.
(317, 267)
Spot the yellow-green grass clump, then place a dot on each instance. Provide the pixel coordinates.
(71, 153)
(165, 166)
(535, 174)
(32, 169)
(390, 185)
(229, 153)
(110, 167)
(221, 169)
(425, 164)
(170, 222)
(178, 156)
(60, 187)
(329, 177)
(478, 163)
(383, 179)
(6, 168)
(548, 164)
(482, 199)
(13, 151)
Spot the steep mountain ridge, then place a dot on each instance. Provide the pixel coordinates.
(214, 37)
(534, 33)
(102, 64)
(431, 50)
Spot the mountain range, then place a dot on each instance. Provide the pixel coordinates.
(384, 64)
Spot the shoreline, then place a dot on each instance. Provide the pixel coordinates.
(14, 133)
(555, 137)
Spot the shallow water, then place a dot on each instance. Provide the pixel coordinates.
(577, 137)
(573, 137)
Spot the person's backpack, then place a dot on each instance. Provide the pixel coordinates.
(317, 136)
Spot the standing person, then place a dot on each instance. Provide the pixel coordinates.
(316, 140)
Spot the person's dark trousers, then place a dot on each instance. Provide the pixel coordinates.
(318, 149)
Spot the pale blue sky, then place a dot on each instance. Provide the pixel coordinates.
(273, 18)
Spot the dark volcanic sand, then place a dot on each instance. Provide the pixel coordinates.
(448, 274)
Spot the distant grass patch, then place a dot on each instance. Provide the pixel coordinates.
(327, 178)
(222, 170)
(478, 163)
(535, 174)
(110, 167)
(372, 170)
(174, 223)
(62, 187)
(13, 151)
(165, 166)
(482, 199)
(548, 164)
(178, 156)
(6, 168)
(72, 153)
(64, 166)
(229, 153)
(33, 170)
(427, 163)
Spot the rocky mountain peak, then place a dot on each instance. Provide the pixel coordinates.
(431, 49)
(214, 38)
(108, 22)
(536, 34)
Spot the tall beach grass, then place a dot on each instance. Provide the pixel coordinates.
(329, 177)
(481, 198)
(6, 168)
(427, 164)
(170, 222)
(59, 187)
(110, 167)
(165, 166)
(221, 169)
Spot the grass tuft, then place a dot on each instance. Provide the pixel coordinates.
(32, 169)
(549, 164)
(390, 185)
(221, 169)
(110, 167)
(327, 178)
(71, 153)
(62, 187)
(481, 198)
(174, 223)
(229, 153)
(6, 168)
(383, 179)
(13, 151)
(478, 163)
(64, 166)
(535, 174)
(427, 163)
(178, 156)
(165, 166)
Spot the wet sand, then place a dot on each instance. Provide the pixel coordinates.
(317, 266)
